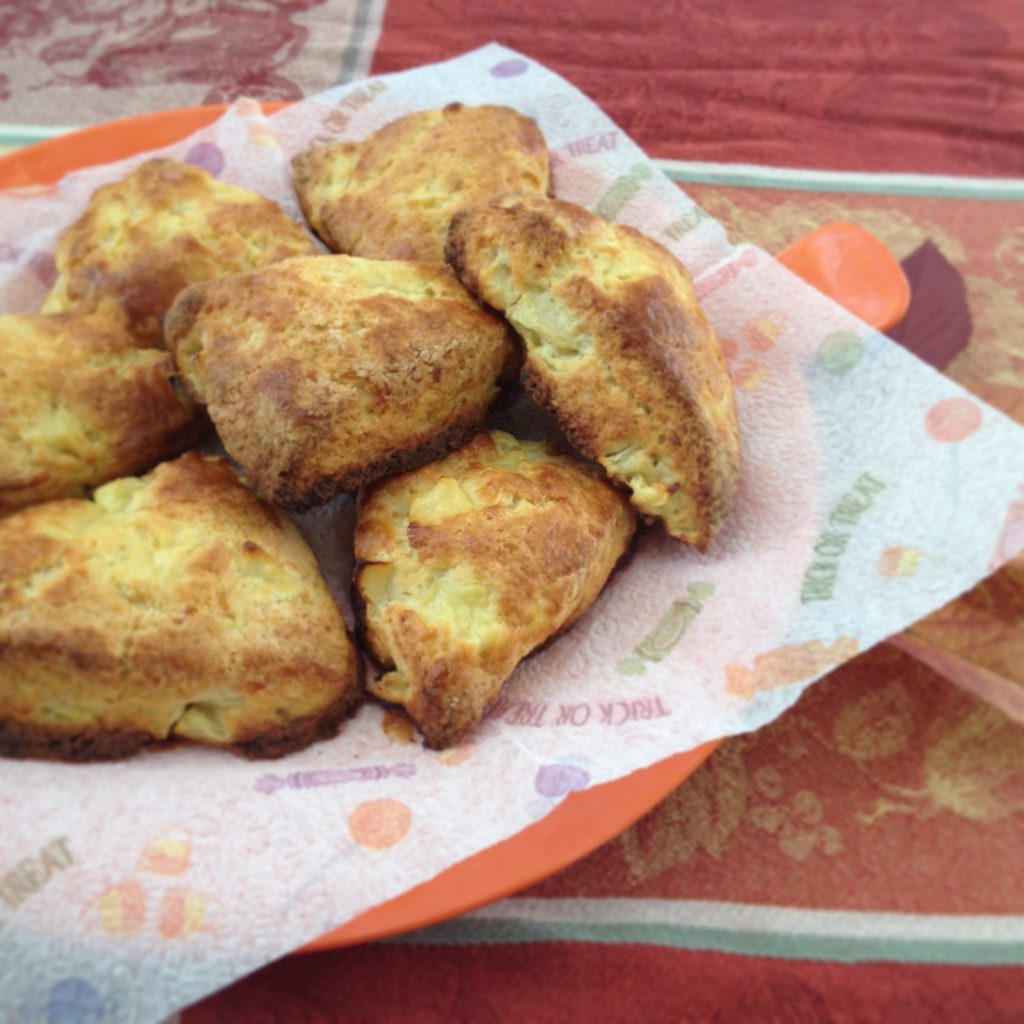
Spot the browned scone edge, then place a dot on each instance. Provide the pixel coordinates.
(294, 499)
(21, 740)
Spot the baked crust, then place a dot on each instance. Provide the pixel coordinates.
(175, 606)
(43, 743)
(392, 195)
(82, 404)
(164, 226)
(617, 347)
(467, 564)
(324, 373)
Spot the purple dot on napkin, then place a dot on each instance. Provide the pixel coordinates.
(559, 779)
(206, 155)
(509, 68)
(74, 1001)
(43, 267)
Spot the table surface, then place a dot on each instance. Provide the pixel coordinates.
(859, 858)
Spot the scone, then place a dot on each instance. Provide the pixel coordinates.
(466, 565)
(83, 403)
(172, 606)
(617, 348)
(324, 373)
(391, 196)
(163, 227)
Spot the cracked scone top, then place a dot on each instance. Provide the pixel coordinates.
(324, 373)
(392, 195)
(467, 564)
(617, 347)
(164, 226)
(83, 403)
(171, 606)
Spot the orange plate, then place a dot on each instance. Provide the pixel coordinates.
(853, 267)
(581, 823)
(49, 161)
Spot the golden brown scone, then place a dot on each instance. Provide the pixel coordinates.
(391, 196)
(172, 606)
(324, 373)
(163, 227)
(83, 403)
(466, 565)
(617, 348)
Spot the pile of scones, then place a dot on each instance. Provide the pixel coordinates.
(183, 605)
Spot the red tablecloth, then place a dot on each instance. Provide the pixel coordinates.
(920, 85)
(859, 859)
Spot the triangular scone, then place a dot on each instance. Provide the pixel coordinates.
(617, 347)
(163, 227)
(172, 606)
(392, 195)
(82, 404)
(466, 565)
(324, 373)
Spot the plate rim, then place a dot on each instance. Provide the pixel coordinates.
(582, 822)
